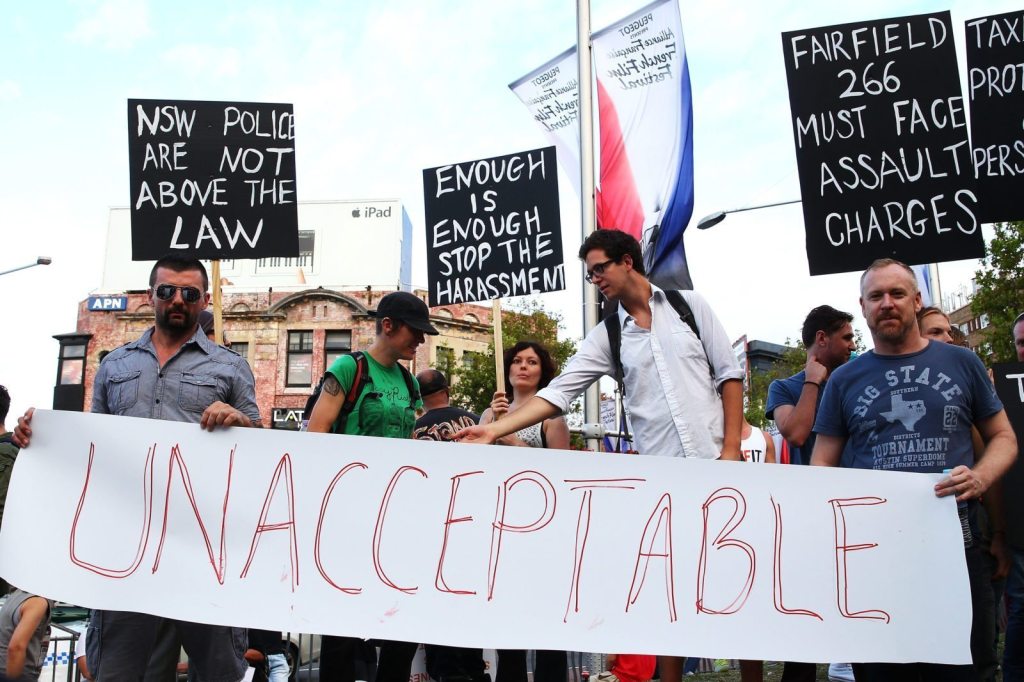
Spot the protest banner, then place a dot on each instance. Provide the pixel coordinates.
(1009, 379)
(212, 179)
(644, 114)
(493, 228)
(881, 143)
(483, 546)
(995, 86)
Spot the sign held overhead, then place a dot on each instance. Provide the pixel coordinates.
(212, 179)
(493, 228)
(881, 143)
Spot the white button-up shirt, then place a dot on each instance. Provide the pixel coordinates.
(671, 396)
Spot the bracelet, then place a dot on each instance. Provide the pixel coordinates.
(812, 383)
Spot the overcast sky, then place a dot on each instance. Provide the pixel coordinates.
(381, 91)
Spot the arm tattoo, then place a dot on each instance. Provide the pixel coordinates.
(331, 385)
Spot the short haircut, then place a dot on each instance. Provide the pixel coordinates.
(547, 364)
(1020, 318)
(615, 244)
(396, 324)
(5, 403)
(884, 263)
(824, 318)
(930, 310)
(179, 263)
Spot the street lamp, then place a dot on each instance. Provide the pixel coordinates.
(42, 260)
(718, 216)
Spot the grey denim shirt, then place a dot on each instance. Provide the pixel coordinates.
(130, 381)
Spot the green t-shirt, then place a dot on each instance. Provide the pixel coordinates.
(383, 409)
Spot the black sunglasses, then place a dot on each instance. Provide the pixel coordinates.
(165, 292)
(599, 269)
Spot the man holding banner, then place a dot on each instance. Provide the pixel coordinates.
(171, 372)
(908, 405)
(683, 386)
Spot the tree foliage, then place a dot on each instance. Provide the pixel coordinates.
(1000, 288)
(792, 361)
(474, 382)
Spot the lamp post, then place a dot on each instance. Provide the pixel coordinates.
(717, 217)
(42, 260)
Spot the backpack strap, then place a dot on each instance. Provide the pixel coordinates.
(410, 385)
(686, 315)
(682, 308)
(613, 326)
(359, 381)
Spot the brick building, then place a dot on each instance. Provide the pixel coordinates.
(289, 317)
(289, 339)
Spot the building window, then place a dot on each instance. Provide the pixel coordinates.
(336, 343)
(471, 358)
(72, 364)
(242, 348)
(300, 359)
(445, 360)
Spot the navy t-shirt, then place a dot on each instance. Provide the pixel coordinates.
(783, 392)
(909, 412)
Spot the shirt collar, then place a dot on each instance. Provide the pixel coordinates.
(198, 338)
(657, 295)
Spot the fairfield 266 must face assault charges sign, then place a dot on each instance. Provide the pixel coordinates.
(995, 83)
(212, 179)
(493, 228)
(881, 143)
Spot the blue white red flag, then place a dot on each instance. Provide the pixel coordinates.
(645, 118)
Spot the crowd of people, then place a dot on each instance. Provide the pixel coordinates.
(683, 390)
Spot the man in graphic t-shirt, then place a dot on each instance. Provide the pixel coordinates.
(441, 420)
(908, 405)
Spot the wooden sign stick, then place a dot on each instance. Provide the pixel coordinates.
(218, 324)
(499, 351)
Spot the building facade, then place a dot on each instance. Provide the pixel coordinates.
(289, 339)
(289, 317)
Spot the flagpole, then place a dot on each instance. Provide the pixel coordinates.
(592, 397)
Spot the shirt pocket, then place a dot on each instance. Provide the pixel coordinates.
(123, 391)
(197, 392)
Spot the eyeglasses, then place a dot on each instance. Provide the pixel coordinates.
(598, 269)
(165, 292)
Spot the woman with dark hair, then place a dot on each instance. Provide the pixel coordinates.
(528, 368)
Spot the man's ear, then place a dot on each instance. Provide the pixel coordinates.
(820, 337)
(627, 260)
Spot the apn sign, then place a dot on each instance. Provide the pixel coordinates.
(108, 303)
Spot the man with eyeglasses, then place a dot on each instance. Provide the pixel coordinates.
(173, 372)
(683, 392)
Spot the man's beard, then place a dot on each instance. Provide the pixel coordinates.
(176, 326)
(891, 332)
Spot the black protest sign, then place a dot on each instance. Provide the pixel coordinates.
(493, 228)
(212, 179)
(995, 86)
(881, 143)
(1009, 378)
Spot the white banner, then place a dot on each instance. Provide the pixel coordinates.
(486, 546)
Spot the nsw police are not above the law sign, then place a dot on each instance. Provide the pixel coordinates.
(212, 179)
(882, 150)
(493, 228)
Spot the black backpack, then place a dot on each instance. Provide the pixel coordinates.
(359, 382)
(614, 329)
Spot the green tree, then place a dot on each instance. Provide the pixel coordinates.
(1000, 288)
(792, 361)
(474, 382)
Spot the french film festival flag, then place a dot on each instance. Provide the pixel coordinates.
(645, 118)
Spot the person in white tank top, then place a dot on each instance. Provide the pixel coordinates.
(756, 446)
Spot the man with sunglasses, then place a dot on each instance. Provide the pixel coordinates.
(683, 392)
(173, 372)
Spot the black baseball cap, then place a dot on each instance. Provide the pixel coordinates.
(407, 308)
